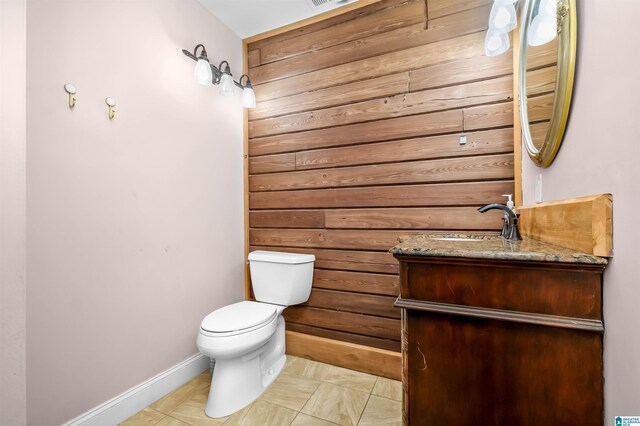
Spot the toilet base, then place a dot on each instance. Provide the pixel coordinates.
(237, 382)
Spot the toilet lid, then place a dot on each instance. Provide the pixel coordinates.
(239, 316)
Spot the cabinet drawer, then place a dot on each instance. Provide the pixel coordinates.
(526, 287)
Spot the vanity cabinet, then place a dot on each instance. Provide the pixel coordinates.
(501, 342)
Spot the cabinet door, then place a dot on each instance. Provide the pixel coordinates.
(471, 371)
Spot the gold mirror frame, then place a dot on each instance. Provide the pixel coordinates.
(567, 36)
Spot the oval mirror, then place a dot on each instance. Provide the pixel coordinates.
(546, 71)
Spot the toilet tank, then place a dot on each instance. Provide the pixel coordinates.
(281, 278)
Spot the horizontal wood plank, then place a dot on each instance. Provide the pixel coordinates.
(331, 238)
(477, 93)
(310, 27)
(366, 47)
(345, 260)
(334, 239)
(482, 142)
(488, 116)
(393, 128)
(339, 54)
(272, 163)
(379, 362)
(390, 63)
(287, 219)
(344, 301)
(373, 342)
(402, 15)
(474, 68)
(429, 171)
(541, 81)
(253, 58)
(358, 282)
(467, 218)
(543, 55)
(356, 91)
(478, 66)
(437, 8)
(367, 325)
(456, 194)
(540, 108)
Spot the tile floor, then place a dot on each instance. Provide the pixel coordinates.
(307, 393)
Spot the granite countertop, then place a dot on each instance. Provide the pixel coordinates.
(490, 246)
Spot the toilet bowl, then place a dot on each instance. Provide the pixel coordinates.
(247, 339)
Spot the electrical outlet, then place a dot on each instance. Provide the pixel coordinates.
(539, 188)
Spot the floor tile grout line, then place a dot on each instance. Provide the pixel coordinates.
(280, 405)
(159, 420)
(320, 418)
(384, 397)
(307, 400)
(363, 410)
(347, 387)
(311, 396)
(294, 418)
(192, 393)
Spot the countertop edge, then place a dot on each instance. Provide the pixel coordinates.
(499, 249)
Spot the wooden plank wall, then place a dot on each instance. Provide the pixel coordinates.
(355, 141)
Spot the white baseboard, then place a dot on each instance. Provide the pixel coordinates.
(135, 399)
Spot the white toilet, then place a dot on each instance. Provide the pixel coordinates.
(246, 339)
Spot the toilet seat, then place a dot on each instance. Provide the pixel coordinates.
(238, 318)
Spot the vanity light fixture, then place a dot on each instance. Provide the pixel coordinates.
(544, 26)
(496, 43)
(226, 80)
(208, 74)
(248, 96)
(547, 15)
(502, 21)
(202, 71)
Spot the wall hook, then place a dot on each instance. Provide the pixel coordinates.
(71, 90)
(111, 103)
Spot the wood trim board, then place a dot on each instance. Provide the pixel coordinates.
(584, 224)
(517, 130)
(245, 165)
(379, 362)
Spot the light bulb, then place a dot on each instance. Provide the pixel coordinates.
(203, 72)
(503, 17)
(544, 28)
(548, 7)
(226, 85)
(248, 98)
(496, 43)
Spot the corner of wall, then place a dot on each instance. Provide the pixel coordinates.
(12, 212)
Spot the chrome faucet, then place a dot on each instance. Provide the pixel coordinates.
(510, 229)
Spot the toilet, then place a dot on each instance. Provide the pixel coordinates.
(247, 339)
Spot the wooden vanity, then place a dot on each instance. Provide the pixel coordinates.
(500, 333)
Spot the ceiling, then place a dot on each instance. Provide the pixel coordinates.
(250, 17)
